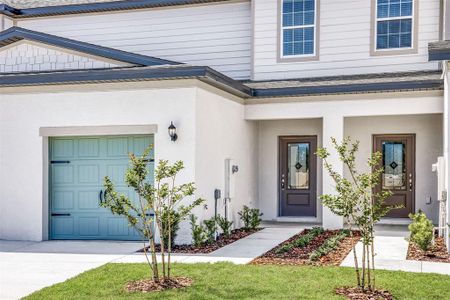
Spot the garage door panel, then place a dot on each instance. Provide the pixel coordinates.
(63, 200)
(62, 226)
(140, 144)
(117, 147)
(89, 174)
(88, 199)
(77, 168)
(89, 148)
(62, 148)
(62, 174)
(89, 226)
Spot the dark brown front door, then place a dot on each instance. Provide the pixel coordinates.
(297, 175)
(399, 171)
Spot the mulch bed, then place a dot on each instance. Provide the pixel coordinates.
(354, 293)
(221, 241)
(437, 254)
(300, 256)
(148, 285)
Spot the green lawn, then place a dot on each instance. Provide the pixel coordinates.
(228, 281)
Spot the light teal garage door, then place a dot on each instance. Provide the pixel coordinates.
(77, 168)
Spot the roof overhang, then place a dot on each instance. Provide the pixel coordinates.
(439, 50)
(94, 7)
(374, 83)
(204, 74)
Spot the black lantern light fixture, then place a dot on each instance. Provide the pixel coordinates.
(173, 132)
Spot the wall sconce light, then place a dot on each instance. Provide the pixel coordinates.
(173, 132)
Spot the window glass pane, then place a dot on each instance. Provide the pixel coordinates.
(394, 163)
(309, 34)
(309, 47)
(382, 11)
(288, 20)
(382, 42)
(288, 6)
(309, 18)
(298, 166)
(406, 8)
(405, 26)
(288, 48)
(394, 41)
(405, 40)
(298, 19)
(288, 35)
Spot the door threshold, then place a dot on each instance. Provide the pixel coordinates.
(309, 220)
(395, 221)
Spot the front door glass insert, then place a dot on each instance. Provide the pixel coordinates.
(394, 163)
(298, 166)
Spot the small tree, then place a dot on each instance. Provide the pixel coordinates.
(155, 207)
(356, 201)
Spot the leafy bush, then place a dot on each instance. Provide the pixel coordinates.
(285, 248)
(302, 241)
(421, 230)
(175, 219)
(307, 238)
(224, 225)
(251, 217)
(330, 244)
(210, 229)
(198, 232)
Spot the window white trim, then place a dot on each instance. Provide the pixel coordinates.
(414, 31)
(298, 57)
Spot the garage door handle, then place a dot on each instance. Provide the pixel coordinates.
(60, 215)
(100, 196)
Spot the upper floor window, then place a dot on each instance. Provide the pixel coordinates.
(298, 28)
(394, 24)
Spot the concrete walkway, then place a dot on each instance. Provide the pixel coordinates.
(26, 267)
(240, 252)
(391, 250)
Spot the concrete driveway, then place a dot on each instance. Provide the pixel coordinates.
(26, 267)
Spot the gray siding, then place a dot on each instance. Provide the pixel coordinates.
(215, 35)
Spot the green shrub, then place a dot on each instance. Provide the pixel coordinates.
(285, 248)
(305, 239)
(198, 232)
(421, 230)
(251, 217)
(210, 229)
(330, 244)
(224, 225)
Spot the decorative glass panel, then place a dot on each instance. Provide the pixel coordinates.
(298, 166)
(298, 21)
(394, 156)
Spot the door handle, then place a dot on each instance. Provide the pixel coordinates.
(410, 182)
(100, 196)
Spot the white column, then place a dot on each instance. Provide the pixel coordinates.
(333, 126)
(446, 131)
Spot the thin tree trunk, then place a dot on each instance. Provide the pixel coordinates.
(373, 262)
(369, 284)
(154, 261)
(363, 277)
(169, 245)
(355, 257)
(148, 261)
(163, 260)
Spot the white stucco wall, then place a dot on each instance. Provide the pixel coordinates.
(268, 134)
(23, 200)
(222, 133)
(428, 130)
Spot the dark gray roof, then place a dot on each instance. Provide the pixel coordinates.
(367, 83)
(439, 50)
(373, 83)
(27, 9)
(15, 34)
